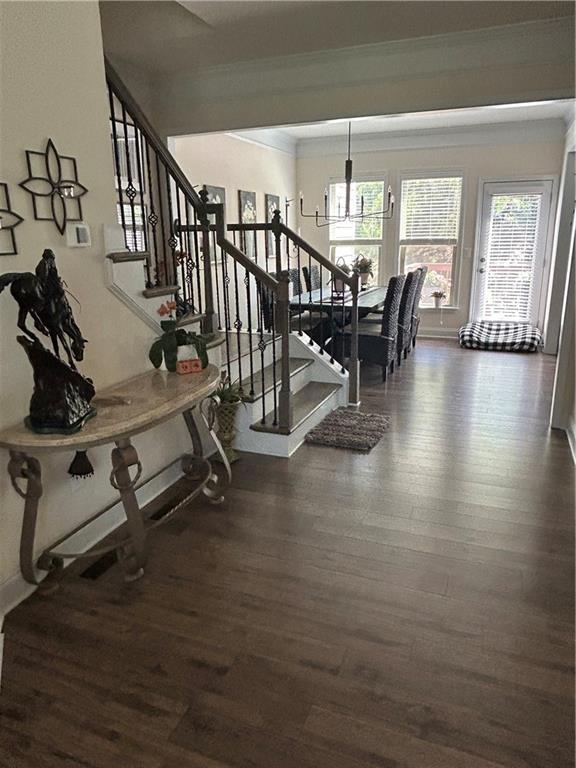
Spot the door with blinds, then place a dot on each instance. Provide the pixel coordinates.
(510, 256)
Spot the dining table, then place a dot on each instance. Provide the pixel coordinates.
(323, 299)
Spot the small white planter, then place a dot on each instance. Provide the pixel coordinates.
(438, 301)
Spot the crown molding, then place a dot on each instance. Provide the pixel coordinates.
(271, 138)
(531, 42)
(458, 136)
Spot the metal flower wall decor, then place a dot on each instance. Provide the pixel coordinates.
(53, 183)
(9, 220)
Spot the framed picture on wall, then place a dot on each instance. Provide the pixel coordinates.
(215, 195)
(247, 215)
(272, 203)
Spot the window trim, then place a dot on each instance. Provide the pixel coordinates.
(405, 175)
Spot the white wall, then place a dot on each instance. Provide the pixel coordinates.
(52, 85)
(235, 164)
(504, 160)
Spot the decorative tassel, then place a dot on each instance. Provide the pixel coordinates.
(81, 466)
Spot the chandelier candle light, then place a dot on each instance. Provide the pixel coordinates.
(326, 218)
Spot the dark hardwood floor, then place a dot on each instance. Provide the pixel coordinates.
(410, 608)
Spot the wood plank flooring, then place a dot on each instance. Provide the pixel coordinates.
(410, 608)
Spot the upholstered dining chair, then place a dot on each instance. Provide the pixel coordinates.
(404, 339)
(416, 308)
(377, 341)
(311, 277)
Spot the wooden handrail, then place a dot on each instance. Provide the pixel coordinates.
(151, 135)
(217, 209)
(311, 251)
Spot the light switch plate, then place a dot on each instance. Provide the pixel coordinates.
(78, 235)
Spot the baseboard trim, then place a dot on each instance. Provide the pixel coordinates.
(15, 589)
(438, 333)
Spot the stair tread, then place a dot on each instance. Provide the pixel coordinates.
(297, 364)
(190, 318)
(304, 403)
(244, 348)
(161, 290)
(118, 257)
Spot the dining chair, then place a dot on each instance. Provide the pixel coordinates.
(404, 339)
(377, 341)
(416, 309)
(311, 277)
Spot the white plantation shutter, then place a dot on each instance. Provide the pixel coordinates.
(430, 209)
(510, 257)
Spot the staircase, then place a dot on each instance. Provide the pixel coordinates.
(231, 282)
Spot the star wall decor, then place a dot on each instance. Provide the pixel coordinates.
(9, 220)
(53, 184)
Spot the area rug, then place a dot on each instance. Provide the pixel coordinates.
(350, 429)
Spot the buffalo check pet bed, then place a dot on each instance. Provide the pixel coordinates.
(500, 337)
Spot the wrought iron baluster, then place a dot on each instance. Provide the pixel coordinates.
(163, 281)
(226, 292)
(138, 138)
(191, 258)
(342, 368)
(152, 220)
(172, 241)
(130, 188)
(263, 292)
(238, 321)
(333, 323)
(310, 304)
(182, 257)
(198, 260)
(215, 280)
(274, 358)
(111, 99)
(321, 315)
(249, 314)
(299, 289)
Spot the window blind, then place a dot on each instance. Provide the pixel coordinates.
(510, 255)
(430, 209)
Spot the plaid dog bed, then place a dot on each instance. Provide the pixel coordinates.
(500, 337)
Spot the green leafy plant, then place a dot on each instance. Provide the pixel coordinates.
(228, 391)
(438, 295)
(364, 265)
(166, 347)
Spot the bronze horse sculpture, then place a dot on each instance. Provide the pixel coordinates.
(42, 296)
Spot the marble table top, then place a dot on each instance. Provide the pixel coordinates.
(123, 410)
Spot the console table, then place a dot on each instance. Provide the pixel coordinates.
(123, 410)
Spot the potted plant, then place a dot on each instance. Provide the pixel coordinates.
(364, 265)
(438, 297)
(165, 349)
(230, 396)
(338, 285)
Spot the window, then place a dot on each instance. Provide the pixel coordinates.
(430, 232)
(362, 237)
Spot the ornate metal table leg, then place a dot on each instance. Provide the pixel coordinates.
(213, 488)
(27, 467)
(133, 554)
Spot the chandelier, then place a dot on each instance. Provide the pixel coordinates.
(327, 218)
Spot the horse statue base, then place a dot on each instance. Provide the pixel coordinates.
(60, 403)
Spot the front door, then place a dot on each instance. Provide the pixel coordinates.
(509, 262)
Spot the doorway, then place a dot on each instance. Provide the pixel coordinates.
(510, 257)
